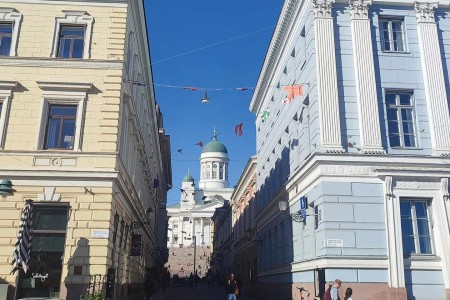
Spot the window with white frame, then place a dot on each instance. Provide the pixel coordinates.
(72, 35)
(416, 230)
(6, 29)
(62, 119)
(393, 35)
(400, 119)
(10, 21)
(6, 88)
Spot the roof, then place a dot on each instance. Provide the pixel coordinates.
(188, 177)
(215, 146)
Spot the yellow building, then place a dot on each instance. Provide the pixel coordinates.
(79, 136)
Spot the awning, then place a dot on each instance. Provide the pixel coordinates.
(22, 248)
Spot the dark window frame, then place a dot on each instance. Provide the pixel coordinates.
(72, 38)
(62, 118)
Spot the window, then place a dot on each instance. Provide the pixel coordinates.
(72, 35)
(71, 41)
(221, 174)
(400, 118)
(214, 171)
(416, 233)
(60, 130)
(6, 30)
(175, 225)
(393, 35)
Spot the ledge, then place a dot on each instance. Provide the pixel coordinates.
(64, 86)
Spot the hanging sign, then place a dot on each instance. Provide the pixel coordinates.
(136, 245)
(303, 207)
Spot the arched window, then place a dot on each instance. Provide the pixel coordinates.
(208, 171)
(214, 171)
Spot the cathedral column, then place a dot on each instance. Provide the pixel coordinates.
(366, 89)
(202, 226)
(433, 75)
(193, 228)
(327, 89)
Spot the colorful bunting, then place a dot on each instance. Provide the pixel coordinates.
(200, 144)
(293, 91)
(180, 150)
(238, 129)
(192, 88)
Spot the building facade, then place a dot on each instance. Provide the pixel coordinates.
(80, 138)
(190, 219)
(365, 147)
(222, 258)
(243, 208)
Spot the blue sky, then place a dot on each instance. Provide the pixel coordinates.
(178, 27)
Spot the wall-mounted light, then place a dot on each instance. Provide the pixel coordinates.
(6, 188)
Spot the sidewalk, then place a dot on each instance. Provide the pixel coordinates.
(201, 292)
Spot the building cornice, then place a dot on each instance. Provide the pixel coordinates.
(109, 3)
(279, 37)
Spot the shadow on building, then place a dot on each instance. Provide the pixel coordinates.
(78, 278)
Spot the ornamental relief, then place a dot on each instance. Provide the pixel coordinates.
(359, 9)
(322, 8)
(421, 185)
(425, 11)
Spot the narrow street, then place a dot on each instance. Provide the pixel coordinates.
(201, 292)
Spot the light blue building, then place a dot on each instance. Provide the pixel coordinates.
(367, 144)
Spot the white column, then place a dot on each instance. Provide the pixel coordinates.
(433, 75)
(394, 237)
(203, 231)
(330, 129)
(366, 89)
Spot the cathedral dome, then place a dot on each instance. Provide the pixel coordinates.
(215, 146)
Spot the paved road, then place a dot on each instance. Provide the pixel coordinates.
(202, 292)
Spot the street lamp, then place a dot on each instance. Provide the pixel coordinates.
(296, 217)
(137, 225)
(194, 238)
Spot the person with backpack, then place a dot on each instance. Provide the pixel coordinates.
(334, 292)
(327, 294)
(231, 288)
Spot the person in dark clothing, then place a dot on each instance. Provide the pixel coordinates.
(149, 287)
(230, 287)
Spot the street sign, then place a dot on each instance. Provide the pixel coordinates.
(303, 207)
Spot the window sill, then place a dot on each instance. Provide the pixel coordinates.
(395, 52)
(422, 257)
(406, 148)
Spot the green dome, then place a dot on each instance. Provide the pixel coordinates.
(188, 177)
(215, 146)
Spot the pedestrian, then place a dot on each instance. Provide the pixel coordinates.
(231, 288)
(348, 294)
(335, 290)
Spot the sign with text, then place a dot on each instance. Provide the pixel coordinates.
(303, 207)
(100, 234)
(335, 243)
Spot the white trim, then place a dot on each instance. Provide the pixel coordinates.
(75, 18)
(6, 88)
(41, 62)
(13, 16)
(66, 93)
(107, 3)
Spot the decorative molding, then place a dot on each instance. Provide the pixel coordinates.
(322, 8)
(6, 89)
(388, 187)
(74, 17)
(444, 189)
(48, 86)
(11, 15)
(55, 161)
(61, 63)
(359, 9)
(420, 185)
(49, 195)
(425, 11)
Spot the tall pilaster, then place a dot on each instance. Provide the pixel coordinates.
(330, 129)
(202, 226)
(366, 89)
(442, 229)
(433, 75)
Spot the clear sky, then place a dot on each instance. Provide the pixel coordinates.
(176, 28)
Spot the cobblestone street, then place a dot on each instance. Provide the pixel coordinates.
(201, 292)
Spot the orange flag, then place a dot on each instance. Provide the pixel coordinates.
(293, 91)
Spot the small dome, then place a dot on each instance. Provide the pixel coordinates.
(215, 146)
(188, 177)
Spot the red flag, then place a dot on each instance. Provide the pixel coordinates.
(199, 144)
(238, 129)
(293, 91)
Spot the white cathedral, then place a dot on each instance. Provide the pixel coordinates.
(191, 219)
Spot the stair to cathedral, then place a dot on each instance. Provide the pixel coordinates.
(181, 260)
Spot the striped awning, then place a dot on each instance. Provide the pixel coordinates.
(22, 248)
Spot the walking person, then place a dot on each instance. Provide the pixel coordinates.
(335, 290)
(348, 294)
(231, 288)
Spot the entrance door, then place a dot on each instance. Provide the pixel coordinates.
(45, 267)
